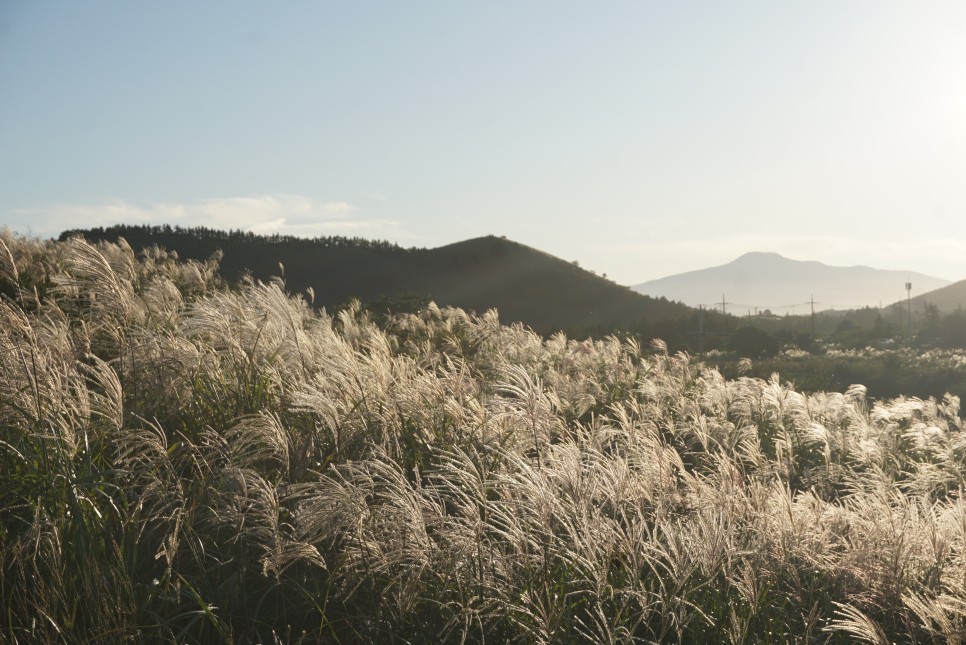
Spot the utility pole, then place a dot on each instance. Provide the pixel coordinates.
(812, 302)
(909, 304)
(701, 333)
(701, 330)
(724, 313)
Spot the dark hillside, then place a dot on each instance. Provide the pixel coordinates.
(522, 283)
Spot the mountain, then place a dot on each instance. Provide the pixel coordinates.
(947, 299)
(769, 281)
(523, 284)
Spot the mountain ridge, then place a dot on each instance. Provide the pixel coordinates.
(524, 284)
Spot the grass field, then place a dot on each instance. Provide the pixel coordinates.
(181, 462)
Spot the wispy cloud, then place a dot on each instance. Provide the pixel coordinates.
(285, 214)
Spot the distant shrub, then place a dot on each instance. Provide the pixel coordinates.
(752, 342)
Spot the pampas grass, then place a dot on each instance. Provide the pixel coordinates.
(184, 462)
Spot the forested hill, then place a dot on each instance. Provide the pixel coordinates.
(522, 283)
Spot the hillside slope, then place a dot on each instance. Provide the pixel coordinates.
(768, 280)
(947, 299)
(522, 283)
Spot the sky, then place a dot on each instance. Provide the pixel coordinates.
(641, 139)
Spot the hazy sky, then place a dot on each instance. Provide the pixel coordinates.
(639, 138)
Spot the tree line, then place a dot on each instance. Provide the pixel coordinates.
(203, 233)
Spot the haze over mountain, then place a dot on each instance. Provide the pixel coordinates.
(759, 281)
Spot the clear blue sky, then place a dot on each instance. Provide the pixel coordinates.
(639, 138)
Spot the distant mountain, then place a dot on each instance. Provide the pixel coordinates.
(522, 283)
(770, 281)
(947, 299)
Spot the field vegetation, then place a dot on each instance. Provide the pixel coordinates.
(886, 373)
(185, 462)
